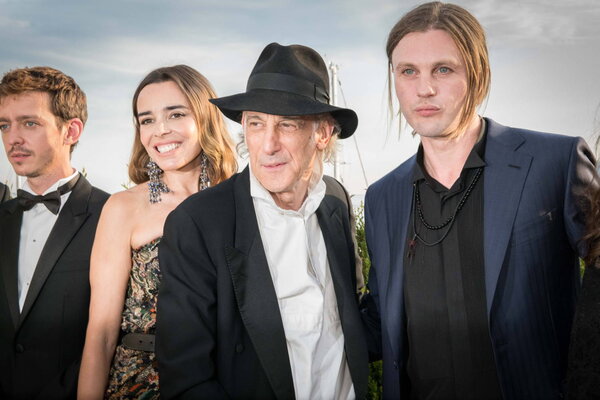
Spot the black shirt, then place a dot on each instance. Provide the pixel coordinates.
(450, 353)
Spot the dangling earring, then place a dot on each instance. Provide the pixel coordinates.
(155, 185)
(204, 179)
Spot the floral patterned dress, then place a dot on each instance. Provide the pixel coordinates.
(133, 374)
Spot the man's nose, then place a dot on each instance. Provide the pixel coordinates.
(13, 136)
(426, 87)
(271, 143)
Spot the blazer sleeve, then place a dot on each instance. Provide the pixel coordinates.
(335, 188)
(186, 321)
(582, 178)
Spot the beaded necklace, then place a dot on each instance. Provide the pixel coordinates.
(418, 210)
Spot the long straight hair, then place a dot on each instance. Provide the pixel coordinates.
(469, 37)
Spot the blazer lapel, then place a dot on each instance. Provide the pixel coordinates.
(330, 222)
(9, 256)
(505, 174)
(255, 293)
(342, 269)
(71, 217)
(399, 204)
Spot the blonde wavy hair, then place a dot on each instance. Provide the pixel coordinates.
(214, 138)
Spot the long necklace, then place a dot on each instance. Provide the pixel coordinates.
(449, 222)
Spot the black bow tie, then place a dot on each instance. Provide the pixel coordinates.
(51, 200)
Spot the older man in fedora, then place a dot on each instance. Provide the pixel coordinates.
(258, 293)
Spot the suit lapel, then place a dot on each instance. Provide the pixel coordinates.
(505, 174)
(330, 215)
(71, 217)
(255, 293)
(9, 256)
(400, 204)
(3, 193)
(330, 222)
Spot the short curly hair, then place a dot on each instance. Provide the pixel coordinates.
(67, 100)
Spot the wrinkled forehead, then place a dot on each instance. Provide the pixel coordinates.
(248, 115)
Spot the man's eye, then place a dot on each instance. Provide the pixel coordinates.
(289, 126)
(3, 127)
(30, 124)
(444, 70)
(408, 71)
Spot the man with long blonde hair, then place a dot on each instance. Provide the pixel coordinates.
(474, 241)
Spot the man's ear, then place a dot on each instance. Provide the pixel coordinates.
(74, 128)
(323, 134)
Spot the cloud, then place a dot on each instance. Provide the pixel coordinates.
(9, 23)
(512, 22)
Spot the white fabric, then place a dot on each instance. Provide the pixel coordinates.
(297, 258)
(35, 229)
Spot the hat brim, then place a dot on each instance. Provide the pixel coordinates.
(284, 103)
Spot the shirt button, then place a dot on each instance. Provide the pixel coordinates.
(395, 365)
(19, 348)
(239, 348)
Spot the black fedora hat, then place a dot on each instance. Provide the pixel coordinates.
(288, 80)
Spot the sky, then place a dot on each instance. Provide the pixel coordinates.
(544, 55)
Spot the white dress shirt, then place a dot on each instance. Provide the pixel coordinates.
(35, 229)
(297, 258)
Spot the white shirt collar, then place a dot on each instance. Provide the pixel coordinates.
(316, 193)
(53, 187)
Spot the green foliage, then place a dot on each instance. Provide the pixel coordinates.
(375, 368)
(374, 385)
(361, 240)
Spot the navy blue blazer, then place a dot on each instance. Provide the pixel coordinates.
(533, 221)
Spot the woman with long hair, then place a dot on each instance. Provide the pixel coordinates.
(584, 351)
(181, 146)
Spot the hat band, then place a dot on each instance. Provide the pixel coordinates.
(287, 83)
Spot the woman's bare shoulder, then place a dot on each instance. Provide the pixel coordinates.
(127, 202)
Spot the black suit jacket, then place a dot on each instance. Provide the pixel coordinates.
(219, 330)
(4, 193)
(40, 348)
